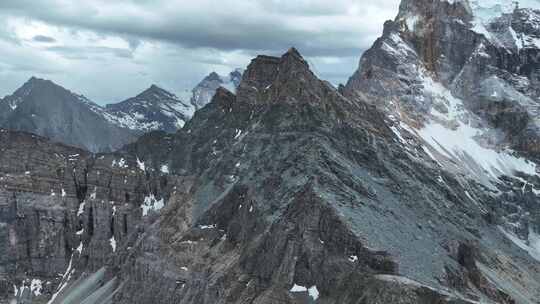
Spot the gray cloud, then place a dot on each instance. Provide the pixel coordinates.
(176, 42)
(72, 52)
(43, 38)
(249, 25)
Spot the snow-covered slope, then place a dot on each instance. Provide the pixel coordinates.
(153, 109)
(459, 82)
(202, 94)
(467, 93)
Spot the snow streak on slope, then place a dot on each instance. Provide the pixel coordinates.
(532, 245)
(485, 11)
(454, 136)
(202, 94)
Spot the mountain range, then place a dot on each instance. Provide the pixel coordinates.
(415, 182)
(47, 109)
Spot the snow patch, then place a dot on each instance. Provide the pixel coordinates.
(140, 165)
(79, 249)
(66, 277)
(312, 291)
(112, 241)
(213, 226)
(151, 204)
(94, 194)
(81, 209)
(453, 136)
(120, 163)
(461, 145)
(36, 286)
(532, 245)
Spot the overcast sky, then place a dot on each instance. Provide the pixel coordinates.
(111, 50)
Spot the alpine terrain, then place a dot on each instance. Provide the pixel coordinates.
(47, 109)
(416, 182)
(204, 91)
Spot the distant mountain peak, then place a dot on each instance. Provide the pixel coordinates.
(43, 107)
(155, 87)
(153, 109)
(213, 76)
(156, 93)
(204, 91)
(35, 81)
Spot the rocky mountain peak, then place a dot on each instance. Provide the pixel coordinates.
(37, 90)
(36, 80)
(213, 76)
(156, 94)
(428, 10)
(154, 87)
(35, 83)
(286, 78)
(236, 74)
(205, 90)
(292, 61)
(153, 109)
(259, 74)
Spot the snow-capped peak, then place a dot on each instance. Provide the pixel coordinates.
(205, 90)
(153, 109)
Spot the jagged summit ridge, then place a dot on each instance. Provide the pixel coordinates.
(281, 79)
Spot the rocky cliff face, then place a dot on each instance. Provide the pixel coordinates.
(288, 191)
(64, 212)
(481, 53)
(297, 194)
(456, 79)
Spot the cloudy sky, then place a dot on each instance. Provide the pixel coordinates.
(111, 50)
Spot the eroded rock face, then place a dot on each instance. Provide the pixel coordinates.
(287, 193)
(488, 63)
(455, 79)
(291, 191)
(64, 211)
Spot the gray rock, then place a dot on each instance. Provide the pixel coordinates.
(44, 108)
